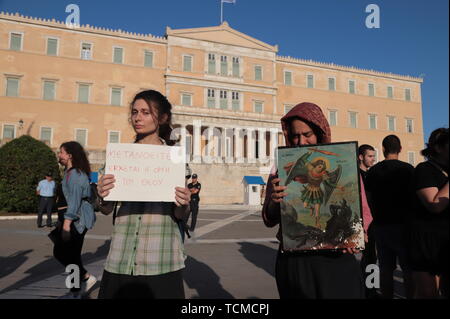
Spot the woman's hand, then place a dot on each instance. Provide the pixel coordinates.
(351, 251)
(182, 196)
(278, 191)
(105, 184)
(65, 234)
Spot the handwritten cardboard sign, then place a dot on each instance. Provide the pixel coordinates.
(145, 173)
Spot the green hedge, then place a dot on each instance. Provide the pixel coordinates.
(23, 163)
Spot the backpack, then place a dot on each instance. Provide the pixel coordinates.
(93, 198)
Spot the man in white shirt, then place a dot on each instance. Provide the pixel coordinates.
(46, 191)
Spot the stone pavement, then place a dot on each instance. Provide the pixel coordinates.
(231, 256)
(214, 252)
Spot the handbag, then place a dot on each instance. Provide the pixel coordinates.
(55, 235)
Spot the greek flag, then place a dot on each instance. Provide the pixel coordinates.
(228, 1)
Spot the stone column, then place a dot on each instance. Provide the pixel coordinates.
(196, 140)
(262, 144)
(238, 145)
(250, 146)
(273, 144)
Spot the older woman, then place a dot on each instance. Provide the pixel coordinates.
(310, 274)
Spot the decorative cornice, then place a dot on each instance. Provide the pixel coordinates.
(83, 28)
(353, 69)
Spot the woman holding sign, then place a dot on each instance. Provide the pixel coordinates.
(146, 256)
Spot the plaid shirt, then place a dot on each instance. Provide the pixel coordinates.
(145, 241)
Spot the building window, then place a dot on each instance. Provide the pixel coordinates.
(236, 67)
(86, 51)
(390, 92)
(310, 81)
(409, 125)
(371, 89)
(235, 101)
(223, 99)
(81, 136)
(186, 99)
(258, 73)
(83, 93)
(211, 63)
(12, 86)
(116, 96)
(258, 106)
(372, 121)
(118, 55)
(223, 65)
(351, 87)
(9, 131)
(114, 137)
(211, 98)
(187, 63)
(331, 84)
(408, 94)
(15, 42)
(411, 158)
(148, 59)
(353, 119)
(46, 135)
(49, 90)
(52, 46)
(391, 123)
(333, 117)
(287, 108)
(287, 78)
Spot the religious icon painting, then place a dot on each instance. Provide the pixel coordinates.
(323, 207)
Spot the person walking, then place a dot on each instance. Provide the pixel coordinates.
(78, 217)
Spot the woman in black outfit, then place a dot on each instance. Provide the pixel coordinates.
(429, 224)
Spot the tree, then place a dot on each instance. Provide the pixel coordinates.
(23, 163)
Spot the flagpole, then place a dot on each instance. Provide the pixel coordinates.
(221, 11)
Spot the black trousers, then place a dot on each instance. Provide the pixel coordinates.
(318, 275)
(369, 256)
(165, 286)
(69, 252)
(194, 213)
(45, 205)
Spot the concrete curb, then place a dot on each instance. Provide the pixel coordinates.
(26, 217)
(203, 207)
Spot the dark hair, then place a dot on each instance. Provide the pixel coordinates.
(438, 138)
(364, 148)
(79, 157)
(391, 144)
(163, 106)
(316, 130)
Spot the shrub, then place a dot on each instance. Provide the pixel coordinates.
(23, 163)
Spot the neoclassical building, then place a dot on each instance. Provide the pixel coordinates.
(228, 92)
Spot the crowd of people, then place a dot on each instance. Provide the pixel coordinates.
(405, 218)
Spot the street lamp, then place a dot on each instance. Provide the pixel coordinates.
(20, 124)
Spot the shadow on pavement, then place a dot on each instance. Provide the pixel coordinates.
(12, 262)
(204, 280)
(260, 255)
(51, 267)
